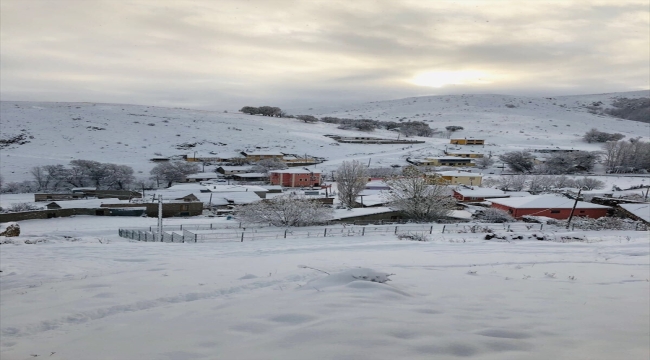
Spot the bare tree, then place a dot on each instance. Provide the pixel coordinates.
(484, 162)
(351, 179)
(307, 118)
(417, 199)
(589, 183)
(286, 210)
(92, 170)
(518, 161)
(118, 176)
(173, 171)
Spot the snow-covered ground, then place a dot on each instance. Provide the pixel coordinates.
(457, 296)
(131, 135)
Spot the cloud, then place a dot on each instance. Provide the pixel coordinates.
(228, 54)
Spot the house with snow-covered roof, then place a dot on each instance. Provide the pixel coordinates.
(478, 194)
(552, 206)
(458, 177)
(204, 176)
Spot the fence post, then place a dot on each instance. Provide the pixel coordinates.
(443, 228)
(508, 227)
(149, 228)
(395, 230)
(139, 236)
(242, 236)
(431, 230)
(325, 233)
(541, 226)
(363, 231)
(181, 226)
(195, 237)
(240, 225)
(573, 227)
(285, 233)
(162, 237)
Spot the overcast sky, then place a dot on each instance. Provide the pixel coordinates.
(224, 54)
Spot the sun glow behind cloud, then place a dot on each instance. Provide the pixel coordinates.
(438, 79)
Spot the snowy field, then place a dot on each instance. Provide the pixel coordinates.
(454, 297)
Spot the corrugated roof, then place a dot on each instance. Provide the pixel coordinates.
(640, 210)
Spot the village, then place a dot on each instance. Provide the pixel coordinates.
(237, 180)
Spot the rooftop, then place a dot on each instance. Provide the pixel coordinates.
(545, 202)
(295, 171)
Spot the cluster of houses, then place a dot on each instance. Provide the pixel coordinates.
(454, 157)
(191, 199)
(214, 191)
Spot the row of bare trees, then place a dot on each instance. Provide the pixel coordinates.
(542, 183)
(627, 156)
(82, 173)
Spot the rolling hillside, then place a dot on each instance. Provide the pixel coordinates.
(55, 133)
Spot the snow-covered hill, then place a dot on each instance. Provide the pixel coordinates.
(55, 133)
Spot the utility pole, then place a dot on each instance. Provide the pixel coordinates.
(160, 221)
(568, 223)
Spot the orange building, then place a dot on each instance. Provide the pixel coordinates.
(295, 177)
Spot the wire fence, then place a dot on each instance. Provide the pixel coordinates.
(206, 233)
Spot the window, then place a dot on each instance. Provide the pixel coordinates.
(185, 207)
(555, 211)
(582, 211)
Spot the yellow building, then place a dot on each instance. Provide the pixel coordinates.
(465, 154)
(447, 161)
(262, 156)
(466, 141)
(459, 177)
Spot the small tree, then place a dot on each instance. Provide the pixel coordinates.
(118, 176)
(451, 129)
(594, 135)
(173, 171)
(307, 118)
(518, 161)
(250, 110)
(484, 162)
(589, 183)
(351, 179)
(418, 200)
(286, 210)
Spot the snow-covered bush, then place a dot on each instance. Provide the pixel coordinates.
(285, 210)
(493, 215)
(603, 223)
(19, 207)
(413, 236)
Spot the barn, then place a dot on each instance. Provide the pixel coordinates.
(556, 207)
